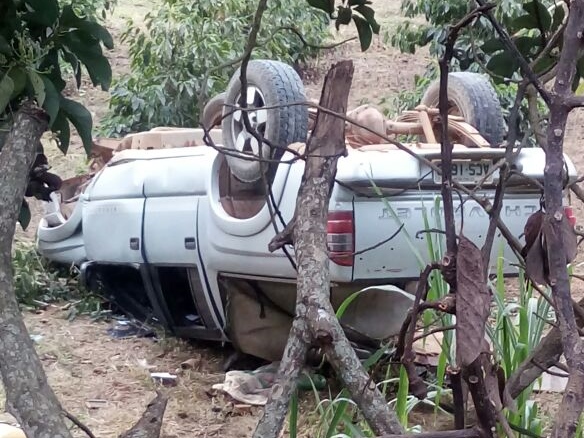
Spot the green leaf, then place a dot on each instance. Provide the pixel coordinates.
(325, 5)
(44, 12)
(579, 74)
(502, 64)
(24, 215)
(61, 127)
(19, 77)
(365, 32)
(38, 85)
(91, 56)
(369, 15)
(51, 65)
(52, 98)
(540, 14)
(580, 67)
(4, 46)
(525, 21)
(544, 64)
(87, 29)
(6, 89)
(80, 117)
(526, 45)
(493, 45)
(559, 15)
(343, 16)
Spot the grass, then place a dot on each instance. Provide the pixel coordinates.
(38, 283)
(514, 329)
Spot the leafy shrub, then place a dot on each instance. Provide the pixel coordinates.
(38, 282)
(35, 39)
(185, 39)
(95, 10)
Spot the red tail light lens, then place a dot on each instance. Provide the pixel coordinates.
(341, 237)
(569, 212)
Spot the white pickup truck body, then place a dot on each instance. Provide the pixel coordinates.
(166, 234)
(162, 208)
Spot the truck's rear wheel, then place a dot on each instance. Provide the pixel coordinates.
(269, 83)
(471, 96)
(213, 111)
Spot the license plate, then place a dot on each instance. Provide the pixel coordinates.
(467, 171)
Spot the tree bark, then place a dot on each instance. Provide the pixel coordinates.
(28, 396)
(573, 400)
(315, 321)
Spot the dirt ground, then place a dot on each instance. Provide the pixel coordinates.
(84, 363)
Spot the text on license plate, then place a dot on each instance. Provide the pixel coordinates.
(467, 171)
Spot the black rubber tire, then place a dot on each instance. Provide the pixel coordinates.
(213, 111)
(280, 84)
(476, 100)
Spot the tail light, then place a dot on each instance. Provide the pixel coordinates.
(569, 212)
(341, 237)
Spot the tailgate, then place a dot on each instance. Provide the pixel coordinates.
(405, 255)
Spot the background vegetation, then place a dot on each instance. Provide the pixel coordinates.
(183, 40)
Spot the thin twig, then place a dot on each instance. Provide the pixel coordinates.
(77, 422)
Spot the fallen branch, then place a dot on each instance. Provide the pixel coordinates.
(150, 423)
(77, 422)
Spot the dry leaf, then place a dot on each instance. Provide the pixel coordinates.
(472, 302)
(532, 230)
(536, 266)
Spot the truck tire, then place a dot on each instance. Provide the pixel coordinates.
(269, 83)
(472, 97)
(213, 111)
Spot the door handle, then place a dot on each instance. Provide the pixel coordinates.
(190, 243)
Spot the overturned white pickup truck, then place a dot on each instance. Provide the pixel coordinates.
(177, 232)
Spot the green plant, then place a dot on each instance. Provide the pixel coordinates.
(96, 10)
(191, 39)
(38, 283)
(36, 38)
(517, 329)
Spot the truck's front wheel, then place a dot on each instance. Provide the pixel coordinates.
(269, 84)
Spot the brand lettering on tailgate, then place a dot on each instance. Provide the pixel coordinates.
(476, 211)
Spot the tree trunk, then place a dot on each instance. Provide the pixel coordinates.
(315, 321)
(573, 400)
(28, 396)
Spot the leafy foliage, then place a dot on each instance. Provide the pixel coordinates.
(37, 283)
(35, 38)
(95, 10)
(357, 11)
(184, 40)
